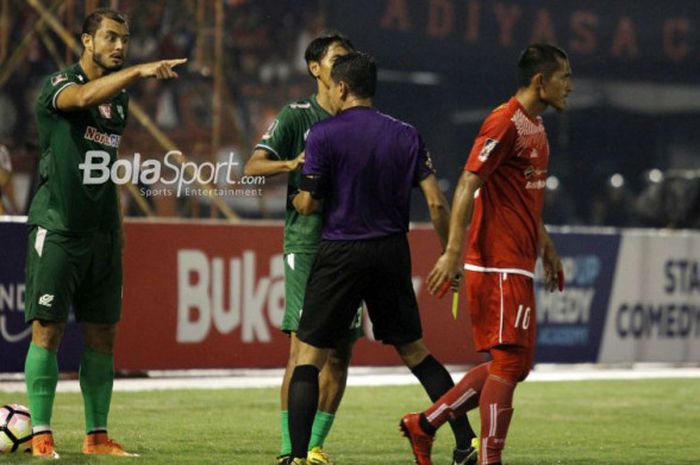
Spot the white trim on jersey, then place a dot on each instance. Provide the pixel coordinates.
(488, 269)
(269, 149)
(55, 96)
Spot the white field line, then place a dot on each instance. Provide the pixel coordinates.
(359, 376)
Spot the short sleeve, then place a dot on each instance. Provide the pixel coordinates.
(278, 139)
(317, 156)
(492, 146)
(424, 162)
(53, 86)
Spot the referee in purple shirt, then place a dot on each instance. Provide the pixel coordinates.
(363, 164)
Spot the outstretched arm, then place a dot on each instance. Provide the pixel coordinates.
(104, 89)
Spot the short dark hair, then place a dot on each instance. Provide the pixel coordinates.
(318, 47)
(359, 71)
(93, 20)
(539, 58)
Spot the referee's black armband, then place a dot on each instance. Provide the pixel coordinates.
(314, 185)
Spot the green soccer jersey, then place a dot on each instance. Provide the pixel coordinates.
(285, 139)
(63, 202)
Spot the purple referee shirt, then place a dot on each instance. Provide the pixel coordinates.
(369, 162)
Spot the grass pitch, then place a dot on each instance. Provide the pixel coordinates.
(646, 422)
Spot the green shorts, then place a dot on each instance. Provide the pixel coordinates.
(297, 267)
(82, 271)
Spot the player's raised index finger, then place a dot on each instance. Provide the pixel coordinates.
(175, 62)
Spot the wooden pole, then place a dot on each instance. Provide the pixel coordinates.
(4, 28)
(218, 84)
(70, 19)
(199, 54)
(90, 6)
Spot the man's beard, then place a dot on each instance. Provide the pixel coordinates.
(99, 61)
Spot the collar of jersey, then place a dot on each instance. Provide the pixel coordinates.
(316, 105)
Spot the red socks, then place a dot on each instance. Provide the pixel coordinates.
(496, 410)
(460, 399)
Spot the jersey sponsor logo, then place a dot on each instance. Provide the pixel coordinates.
(486, 150)
(110, 140)
(59, 78)
(46, 300)
(531, 171)
(271, 130)
(105, 110)
(538, 185)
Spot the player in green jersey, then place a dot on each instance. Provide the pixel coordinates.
(281, 150)
(75, 237)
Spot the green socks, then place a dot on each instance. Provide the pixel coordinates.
(286, 447)
(41, 375)
(96, 380)
(322, 425)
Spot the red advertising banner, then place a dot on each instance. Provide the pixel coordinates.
(211, 295)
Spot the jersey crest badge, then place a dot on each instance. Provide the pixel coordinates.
(486, 150)
(105, 110)
(59, 78)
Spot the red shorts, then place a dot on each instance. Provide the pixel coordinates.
(502, 309)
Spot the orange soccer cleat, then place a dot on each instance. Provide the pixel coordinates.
(100, 444)
(43, 446)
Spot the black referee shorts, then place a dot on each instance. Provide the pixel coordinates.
(344, 274)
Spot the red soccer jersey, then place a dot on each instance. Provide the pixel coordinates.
(510, 155)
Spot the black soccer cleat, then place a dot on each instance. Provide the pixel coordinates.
(468, 456)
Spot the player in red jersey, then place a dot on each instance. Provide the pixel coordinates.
(500, 195)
